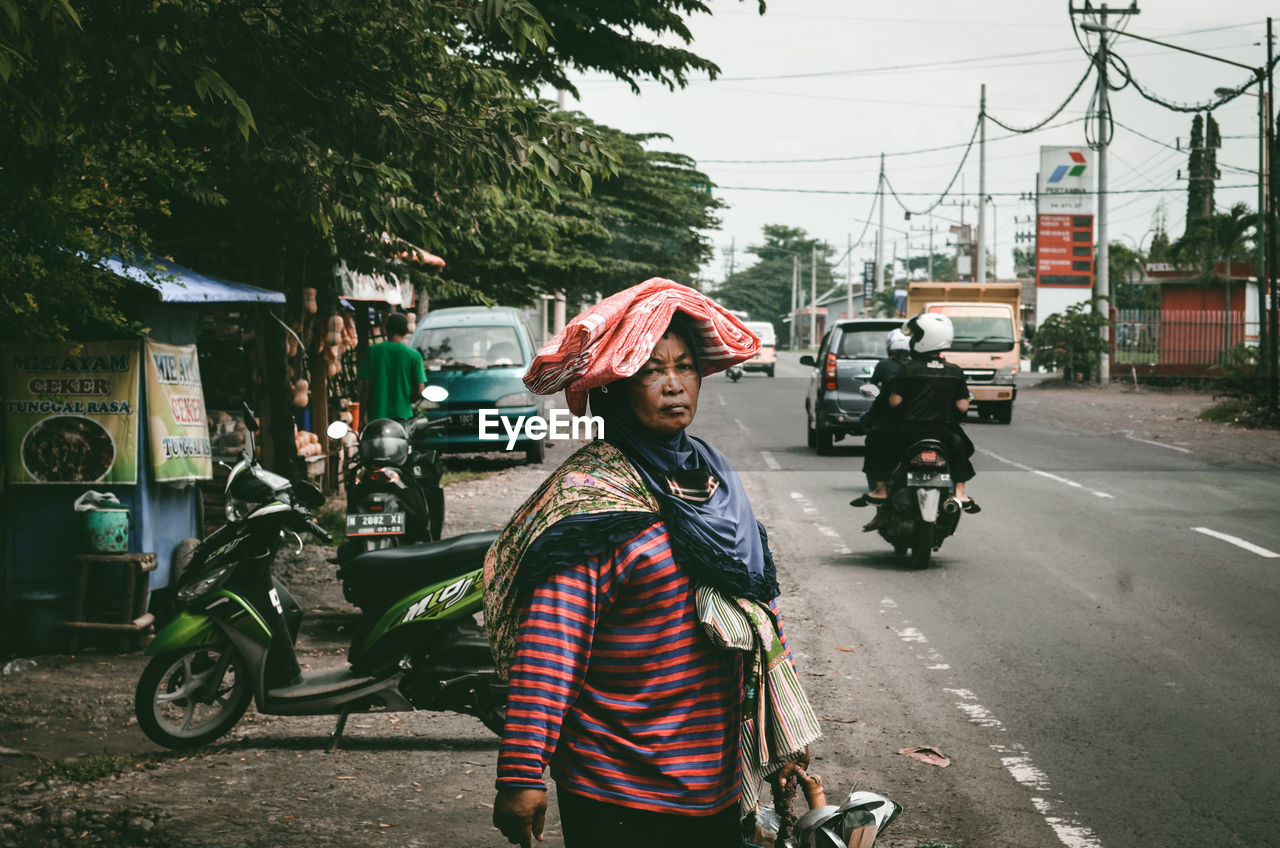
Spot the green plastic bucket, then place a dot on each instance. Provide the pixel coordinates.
(107, 530)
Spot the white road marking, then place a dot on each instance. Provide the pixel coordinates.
(1070, 832)
(770, 461)
(1238, 542)
(805, 504)
(1129, 435)
(1054, 477)
(743, 427)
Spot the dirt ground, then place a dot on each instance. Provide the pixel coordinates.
(76, 770)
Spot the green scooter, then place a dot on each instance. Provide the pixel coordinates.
(417, 647)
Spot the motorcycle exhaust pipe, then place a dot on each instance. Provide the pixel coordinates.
(950, 506)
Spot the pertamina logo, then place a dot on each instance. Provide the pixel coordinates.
(1069, 170)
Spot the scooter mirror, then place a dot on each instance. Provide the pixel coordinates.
(435, 394)
(337, 430)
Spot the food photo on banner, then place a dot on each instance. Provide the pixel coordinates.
(72, 413)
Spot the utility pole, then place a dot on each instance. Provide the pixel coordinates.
(733, 244)
(1270, 315)
(1102, 272)
(848, 276)
(813, 296)
(795, 288)
(981, 274)
(880, 235)
(931, 247)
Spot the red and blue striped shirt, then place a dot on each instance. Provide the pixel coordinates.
(617, 687)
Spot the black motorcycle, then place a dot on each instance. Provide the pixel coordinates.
(921, 511)
(394, 496)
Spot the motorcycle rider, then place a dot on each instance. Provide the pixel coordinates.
(880, 421)
(932, 398)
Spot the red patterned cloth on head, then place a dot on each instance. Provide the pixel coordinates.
(612, 339)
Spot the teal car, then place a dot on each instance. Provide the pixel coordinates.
(480, 355)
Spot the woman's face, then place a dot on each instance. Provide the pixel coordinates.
(664, 392)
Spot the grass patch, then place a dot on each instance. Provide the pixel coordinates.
(1227, 412)
(461, 477)
(334, 520)
(89, 769)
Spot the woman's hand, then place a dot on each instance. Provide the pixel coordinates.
(520, 814)
(795, 768)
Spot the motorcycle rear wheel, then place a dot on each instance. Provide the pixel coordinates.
(922, 545)
(190, 697)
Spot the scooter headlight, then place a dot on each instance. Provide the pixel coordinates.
(207, 582)
(236, 510)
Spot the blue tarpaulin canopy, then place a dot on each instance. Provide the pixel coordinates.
(176, 284)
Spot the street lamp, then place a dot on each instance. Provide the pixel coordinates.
(1263, 135)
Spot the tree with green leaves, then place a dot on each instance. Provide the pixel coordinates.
(1071, 340)
(1202, 167)
(763, 290)
(264, 142)
(648, 219)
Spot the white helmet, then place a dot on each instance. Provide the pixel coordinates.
(897, 340)
(929, 332)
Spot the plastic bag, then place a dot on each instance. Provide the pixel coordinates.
(90, 501)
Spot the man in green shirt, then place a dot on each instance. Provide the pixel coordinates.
(391, 376)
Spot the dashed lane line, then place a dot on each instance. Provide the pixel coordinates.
(769, 461)
(1017, 762)
(1128, 434)
(1238, 542)
(1045, 474)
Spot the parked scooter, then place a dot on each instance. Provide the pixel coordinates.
(393, 487)
(417, 647)
(921, 509)
(734, 372)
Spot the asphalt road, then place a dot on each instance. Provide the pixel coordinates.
(1099, 666)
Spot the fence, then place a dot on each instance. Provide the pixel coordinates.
(1189, 341)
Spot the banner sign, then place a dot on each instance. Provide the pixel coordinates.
(176, 423)
(71, 413)
(1064, 250)
(1066, 181)
(868, 282)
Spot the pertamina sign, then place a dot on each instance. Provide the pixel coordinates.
(1064, 218)
(1066, 181)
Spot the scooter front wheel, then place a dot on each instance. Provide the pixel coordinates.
(190, 697)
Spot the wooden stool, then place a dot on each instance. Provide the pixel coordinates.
(133, 618)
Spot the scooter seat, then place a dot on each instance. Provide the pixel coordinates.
(378, 577)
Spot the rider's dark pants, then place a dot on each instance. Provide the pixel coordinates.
(953, 438)
(594, 824)
(879, 457)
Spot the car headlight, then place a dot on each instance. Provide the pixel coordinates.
(1005, 374)
(517, 399)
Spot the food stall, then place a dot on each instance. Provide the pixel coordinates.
(122, 418)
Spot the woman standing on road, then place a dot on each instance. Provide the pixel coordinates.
(630, 600)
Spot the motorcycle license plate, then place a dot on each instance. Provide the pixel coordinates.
(927, 478)
(375, 524)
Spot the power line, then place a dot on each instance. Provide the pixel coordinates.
(864, 193)
(1054, 114)
(863, 156)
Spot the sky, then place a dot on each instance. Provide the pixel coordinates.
(845, 81)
